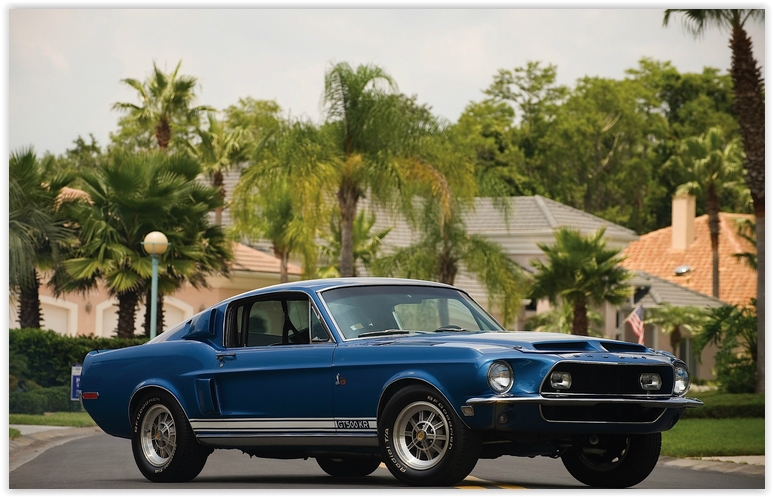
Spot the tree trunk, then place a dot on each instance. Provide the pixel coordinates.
(283, 254)
(676, 339)
(712, 209)
(127, 308)
(580, 318)
(159, 313)
(29, 303)
(163, 133)
(217, 181)
(347, 204)
(750, 107)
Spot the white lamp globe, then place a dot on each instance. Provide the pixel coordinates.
(155, 243)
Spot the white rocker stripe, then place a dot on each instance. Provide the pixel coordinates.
(280, 425)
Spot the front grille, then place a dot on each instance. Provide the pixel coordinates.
(604, 412)
(609, 379)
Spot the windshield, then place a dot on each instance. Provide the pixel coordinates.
(361, 311)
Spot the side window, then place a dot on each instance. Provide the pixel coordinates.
(286, 320)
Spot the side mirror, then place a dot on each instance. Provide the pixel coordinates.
(202, 326)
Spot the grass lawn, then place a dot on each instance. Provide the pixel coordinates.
(715, 437)
(77, 419)
(14, 433)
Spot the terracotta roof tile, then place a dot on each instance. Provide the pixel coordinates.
(248, 259)
(653, 254)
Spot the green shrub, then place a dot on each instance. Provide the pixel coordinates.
(47, 357)
(725, 405)
(38, 401)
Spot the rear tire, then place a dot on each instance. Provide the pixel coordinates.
(613, 461)
(164, 446)
(348, 467)
(423, 441)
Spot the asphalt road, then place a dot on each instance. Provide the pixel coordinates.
(106, 462)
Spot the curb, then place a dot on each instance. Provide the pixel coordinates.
(720, 466)
(27, 447)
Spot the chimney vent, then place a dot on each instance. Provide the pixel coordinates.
(682, 222)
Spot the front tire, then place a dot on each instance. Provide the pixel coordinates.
(613, 461)
(423, 441)
(164, 446)
(348, 467)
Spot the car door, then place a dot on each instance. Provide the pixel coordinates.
(274, 375)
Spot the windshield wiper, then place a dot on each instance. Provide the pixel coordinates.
(384, 333)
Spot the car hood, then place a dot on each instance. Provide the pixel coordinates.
(524, 341)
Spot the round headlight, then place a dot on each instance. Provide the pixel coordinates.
(681, 380)
(500, 376)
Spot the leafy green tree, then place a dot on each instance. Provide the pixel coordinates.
(733, 330)
(678, 322)
(36, 229)
(256, 119)
(487, 129)
(217, 150)
(713, 165)
(366, 244)
(165, 106)
(536, 96)
(560, 318)
(582, 271)
(750, 107)
(129, 196)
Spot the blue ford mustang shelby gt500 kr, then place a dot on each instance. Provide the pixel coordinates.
(358, 371)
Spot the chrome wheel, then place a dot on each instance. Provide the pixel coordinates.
(421, 435)
(158, 436)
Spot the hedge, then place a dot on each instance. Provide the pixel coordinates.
(727, 405)
(50, 356)
(40, 400)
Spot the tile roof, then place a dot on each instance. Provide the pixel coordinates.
(252, 260)
(661, 290)
(653, 254)
(536, 213)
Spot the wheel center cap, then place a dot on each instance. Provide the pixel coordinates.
(421, 436)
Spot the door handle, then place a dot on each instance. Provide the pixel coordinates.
(222, 355)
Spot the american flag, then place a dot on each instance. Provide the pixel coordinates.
(636, 320)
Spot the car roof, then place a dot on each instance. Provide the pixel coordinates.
(319, 285)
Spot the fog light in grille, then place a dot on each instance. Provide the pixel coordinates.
(560, 380)
(650, 381)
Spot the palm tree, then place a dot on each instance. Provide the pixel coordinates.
(128, 197)
(445, 247)
(217, 150)
(678, 322)
(750, 107)
(281, 195)
(714, 166)
(36, 228)
(365, 244)
(559, 319)
(165, 104)
(582, 271)
(369, 121)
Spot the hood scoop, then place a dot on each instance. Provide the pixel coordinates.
(570, 346)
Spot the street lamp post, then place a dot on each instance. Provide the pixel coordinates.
(155, 244)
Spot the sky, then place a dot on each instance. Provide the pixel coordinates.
(66, 65)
